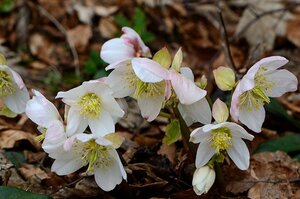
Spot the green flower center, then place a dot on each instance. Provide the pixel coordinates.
(148, 89)
(221, 139)
(93, 154)
(90, 105)
(6, 84)
(257, 96)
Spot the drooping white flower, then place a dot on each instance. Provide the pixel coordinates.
(98, 154)
(198, 111)
(13, 90)
(220, 137)
(91, 104)
(262, 81)
(203, 179)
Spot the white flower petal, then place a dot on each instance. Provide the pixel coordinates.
(110, 105)
(253, 119)
(119, 81)
(75, 122)
(103, 125)
(238, 131)
(239, 153)
(187, 72)
(284, 81)
(17, 101)
(204, 153)
(150, 106)
(65, 167)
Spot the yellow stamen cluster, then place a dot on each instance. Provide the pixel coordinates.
(6, 84)
(221, 139)
(90, 105)
(149, 89)
(93, 154)
(257, 96)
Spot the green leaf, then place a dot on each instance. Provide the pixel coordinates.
(288, 143)
(16, 157)
(7, 5)
(5, 111)
(139, 21)
(279, 111)
(122, 20)
(173, 132)
(16, 193)
(147, 37)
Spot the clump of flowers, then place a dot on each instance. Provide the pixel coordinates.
(162, 86)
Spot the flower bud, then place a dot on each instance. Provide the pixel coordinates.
(220, 111)
(203, 179)
(225, 78)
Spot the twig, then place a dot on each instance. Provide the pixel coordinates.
(225, 37)
(64, 32)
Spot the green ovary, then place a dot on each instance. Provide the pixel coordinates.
(257, 96)
(95, 155)
(6, 84)
(221, 139)
(90, 105)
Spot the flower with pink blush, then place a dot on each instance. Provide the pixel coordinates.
(120, 50)
(198, 111)
(262, 81)
(144, 80)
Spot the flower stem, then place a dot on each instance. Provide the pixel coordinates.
(185, 132)
(166, 115)
(220, 177)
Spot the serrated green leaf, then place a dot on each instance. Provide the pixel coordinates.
(279, 111)
(16, 157)
(173, 132)
(288, 143)
(5, 111)
(16, 193)
(163, 57)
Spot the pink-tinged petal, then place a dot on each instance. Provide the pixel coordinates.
(253, 119)
(284, 81)
(187, 72)
(119, 80)
(65, 167)
(69, 143)
(198, 111)
(238, 131)
(115, 50)
(150, 106)
(186, 90)
(123, 62)
(239, 153)
(168, 89)
(108, 177)
(16, 102)
(198, 135)
(204, 153)
(103, 125)
(148, 70)
(244, 85)
(17, 78)
(75, 122)
(133, 37)
(40, 110)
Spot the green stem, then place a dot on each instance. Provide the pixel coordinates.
(166, 115)
(185, 132)
(220, 177)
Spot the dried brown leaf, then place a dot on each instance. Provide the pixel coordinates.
(9, 138)
(80, 36)
(30, 172)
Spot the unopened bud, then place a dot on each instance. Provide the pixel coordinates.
(225, 78)
(203, 179)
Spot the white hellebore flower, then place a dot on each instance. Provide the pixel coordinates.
(99, 154)
(12, 89)
(91, 104)
(203, 179)
(123, 49)
(198, 111)
(220, 137)
(262, 81)
(143, 79)
(42, 112)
